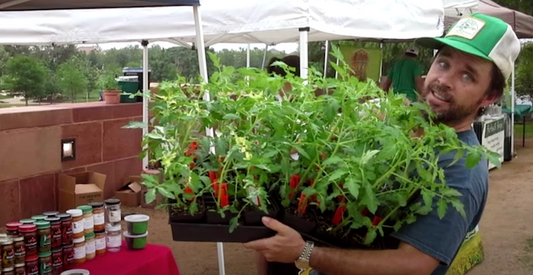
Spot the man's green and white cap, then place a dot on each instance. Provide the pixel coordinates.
(484, 36)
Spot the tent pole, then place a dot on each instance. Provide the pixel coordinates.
(380, 62)
(248, 56)
(512, 111)
(304, 54)
(209, 131)
(264, 57)
(326, 54)
(144, 43)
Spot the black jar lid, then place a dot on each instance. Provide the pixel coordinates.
(64, 216)
(53, 219)
(96, 204)
(112, 201)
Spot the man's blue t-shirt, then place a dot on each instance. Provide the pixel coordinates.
(442, 238)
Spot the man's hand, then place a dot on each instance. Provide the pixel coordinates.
(285, 247)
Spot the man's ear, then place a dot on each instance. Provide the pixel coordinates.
(490, 99)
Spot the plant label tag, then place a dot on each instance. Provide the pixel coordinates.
(295, 156)
(253, 195)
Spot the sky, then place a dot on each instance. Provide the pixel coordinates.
(287, 47)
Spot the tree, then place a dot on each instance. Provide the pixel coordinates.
(71, 78)
(25, 74)
(524, 6)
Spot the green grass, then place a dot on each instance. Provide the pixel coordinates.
(529, 129)
(527, 257)
(5, 97)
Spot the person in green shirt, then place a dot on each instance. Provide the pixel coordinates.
(405, 76)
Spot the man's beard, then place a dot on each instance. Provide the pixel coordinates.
(456, 112)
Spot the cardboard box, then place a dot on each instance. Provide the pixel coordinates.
(130, 193)
(79, 189)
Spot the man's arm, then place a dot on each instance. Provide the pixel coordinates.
(387, 82)
(404, 260)
(419, 82)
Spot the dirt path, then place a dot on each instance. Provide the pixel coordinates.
(505, 228)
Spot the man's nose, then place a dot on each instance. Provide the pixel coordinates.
(445, 80)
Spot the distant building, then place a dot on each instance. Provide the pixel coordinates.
(87, 49)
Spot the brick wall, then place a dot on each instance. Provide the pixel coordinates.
(30, 151)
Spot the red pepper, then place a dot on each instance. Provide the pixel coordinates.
(224, 200)
(188, 190)
(364, 212)
(339, 214)
(302, 204)
(214, 182)
(295, 180)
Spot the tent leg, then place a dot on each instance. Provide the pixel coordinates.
(209, 131)
(512, 112)
(326, 54)
(144, 43)
(264, 57)
(304, 54)
(248, 56)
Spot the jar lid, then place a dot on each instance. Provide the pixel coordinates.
(50, 213)
(19, 265)
(112, 201)
(96, 204)
(79, 240)
(110, 227)
(57, 249)
(7, 241)
(42, 224)
(13, 225)
(27, 221)
(45, 254)
(3, 235)
(7, 269)
(85, 208)
(99, 231)
(68, 245)
(27, 228)
(64, 216)
(89, 235)
(53, 219)
(75, 212)
(38, 217)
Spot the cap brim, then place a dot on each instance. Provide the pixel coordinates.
(437, 43)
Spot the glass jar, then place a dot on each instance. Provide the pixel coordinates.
(55, 228)
(20, 250)
(79, 250)
(44, 235)
(99, 242)
(90, 246)
(112, 207)
(114, 237)
(88, 222)
(32, 265)
(98, 215)
(7, 252)
(68, 255)
(29, 232)
(66, 228)
(12, 228)
(20, 269)
(45, 263)
(57, 261)
(77, 223)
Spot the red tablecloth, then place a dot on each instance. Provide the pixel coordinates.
(154, 259)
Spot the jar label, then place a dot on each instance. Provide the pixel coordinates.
(32, 269)
(114, 241)
(56, 237)
(57, 260)
(99, 218)
(45, 267)
(79, 252)
(8, 256)
(100, 243)
(68, 256)
(88, 223)
(45, 240)
(90, 247)
(77, 227)
(66, 232)
(20, 251)
(114, 216)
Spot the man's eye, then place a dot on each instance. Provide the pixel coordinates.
(468, 77)
(443, 65)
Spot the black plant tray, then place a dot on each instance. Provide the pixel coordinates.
(202, 232)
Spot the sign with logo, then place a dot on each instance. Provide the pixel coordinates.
(467, 28)
(493, 137)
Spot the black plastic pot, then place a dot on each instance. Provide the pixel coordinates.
(213, 217)
(254, 215)
(303, 223)
(198, 232)
(183, 215)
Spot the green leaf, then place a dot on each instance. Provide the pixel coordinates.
(270, 154)
(233, 223)
(353, 187)
(301, 151)
(332, 160)
(337, 174)
(427, 196)
(368, 156)
(441, 208)
(153, 135)
(371, 235)
(150, 196)
(494, 158)
(472, 159)
(165, 193)
(230, 116)
(450, 192)
(370, 199)
(150, 180)
(135, 125)
(459, 206)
